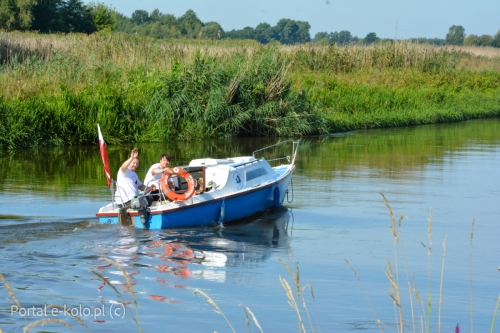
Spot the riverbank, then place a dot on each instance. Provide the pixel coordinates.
(55, 88)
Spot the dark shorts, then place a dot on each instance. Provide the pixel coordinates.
(153, 196)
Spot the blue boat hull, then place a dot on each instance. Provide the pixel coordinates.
(217, 211)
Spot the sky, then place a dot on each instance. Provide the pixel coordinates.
(401, 19)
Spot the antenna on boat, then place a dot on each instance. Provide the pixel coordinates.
(295, 148)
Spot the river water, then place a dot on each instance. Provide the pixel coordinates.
(335, 231)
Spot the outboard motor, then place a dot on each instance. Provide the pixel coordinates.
(141, 204)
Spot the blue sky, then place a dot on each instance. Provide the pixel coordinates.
(387, 18)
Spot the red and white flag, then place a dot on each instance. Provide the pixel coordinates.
(104, 155)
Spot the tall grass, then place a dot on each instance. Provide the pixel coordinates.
(250, 96)
(424, 315)
(347, 59)
(295, 294)
(55, 88)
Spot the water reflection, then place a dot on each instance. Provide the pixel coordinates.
(75, 173)
(170, 256)
(244, 245)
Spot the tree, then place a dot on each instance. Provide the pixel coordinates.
(169, 20)
(341, 38)
(211, 30)
(485, 40)
(303, 35)
(344, 37)
(189, 24)
(47, 16)
(124, 23)
(77, 17)
(456, 35)
(140, 17)
(16, 14)
(496, 39)
(156, 15)
(291, 32)
(471, 40)
(370, 38)
(103, 17)
(245, 33)
(323, 35)
(262, 33)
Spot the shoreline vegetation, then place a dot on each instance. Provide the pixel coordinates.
(55, 88)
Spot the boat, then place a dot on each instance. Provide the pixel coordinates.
(209, 192)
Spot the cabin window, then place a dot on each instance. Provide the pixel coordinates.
(255, 173)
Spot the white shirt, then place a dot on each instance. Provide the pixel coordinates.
(127, 185)
(153, 180)
(150, 179)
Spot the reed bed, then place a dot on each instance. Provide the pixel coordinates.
(129, 51)
(352, 58)
(55, 88)
(485, 51)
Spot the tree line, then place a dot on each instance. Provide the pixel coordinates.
(159, 25)
(286, 31)
(48, 16)
(457, 36)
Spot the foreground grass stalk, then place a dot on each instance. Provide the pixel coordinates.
(429, 251)
(366, 296)
(212, 302)
(44, 321)
(470, 279)
(129, 286)
(10, 291)
(299, 293)
(247, 310)
(411, 306)
(292, 302)
(68, 312)
(441, 286)
(395, 228)
(393, 292)
(422, 319)
(308, 285)
(495, 315)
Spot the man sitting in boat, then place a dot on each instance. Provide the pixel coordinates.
(128, 183)
(153, 177)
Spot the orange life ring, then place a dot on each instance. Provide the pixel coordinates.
(171, 194)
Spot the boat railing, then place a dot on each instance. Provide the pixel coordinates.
(240, 164)
(289, 158)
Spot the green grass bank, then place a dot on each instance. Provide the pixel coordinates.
(54, 89)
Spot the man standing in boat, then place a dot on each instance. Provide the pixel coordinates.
(153, 177)
(128, 182)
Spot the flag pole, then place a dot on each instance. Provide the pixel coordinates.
(104, 155)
